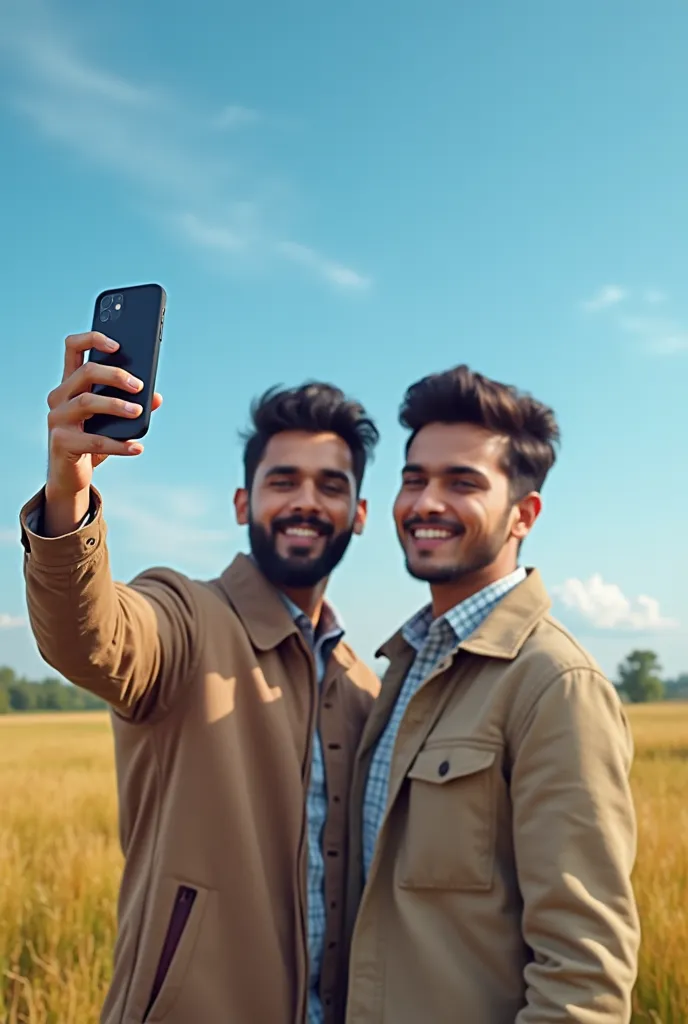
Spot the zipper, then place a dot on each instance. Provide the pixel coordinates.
(183, 904)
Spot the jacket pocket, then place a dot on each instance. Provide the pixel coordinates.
(176, 952)
(449, 840)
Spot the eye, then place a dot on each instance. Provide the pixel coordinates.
(282, 485)
(464, 485)
(413, 481)
(334, 488)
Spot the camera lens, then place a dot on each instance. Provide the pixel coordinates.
(104, 316)
(106, 302)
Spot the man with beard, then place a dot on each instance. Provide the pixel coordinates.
(495, 832)
(236, 709)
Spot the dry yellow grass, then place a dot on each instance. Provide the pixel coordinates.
(60, 865)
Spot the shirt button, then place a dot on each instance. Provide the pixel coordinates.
(443, 768)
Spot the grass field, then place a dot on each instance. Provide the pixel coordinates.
(60, 863)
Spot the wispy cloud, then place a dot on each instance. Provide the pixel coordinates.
(9, 536)
(11, 621)
(187, 162)
(657, 335)
(604, 606)
(609, 295)
(235, 116)
(163, 522)
(662, 337)
(336, 273)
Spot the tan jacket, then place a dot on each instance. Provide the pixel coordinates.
(215, 702)
(500, 889)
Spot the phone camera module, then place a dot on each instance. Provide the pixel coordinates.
(105, 302)
(104, 316)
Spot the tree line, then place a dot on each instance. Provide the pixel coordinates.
(18, 695)
(639, 681)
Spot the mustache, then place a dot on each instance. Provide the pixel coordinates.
(456, 528)
(319, 525)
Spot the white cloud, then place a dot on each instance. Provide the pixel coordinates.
(184, 163)
(663, 337)
(8, 536)
(609, 295)
(11, 621)
(654, 296)
(235, 116)
(336, 273)
(210, 236)
(605, 606)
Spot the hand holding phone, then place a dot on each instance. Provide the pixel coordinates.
(103, 388)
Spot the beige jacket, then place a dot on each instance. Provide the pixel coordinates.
(215, 702)
(500, 890)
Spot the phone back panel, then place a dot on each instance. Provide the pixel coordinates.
(134, 318)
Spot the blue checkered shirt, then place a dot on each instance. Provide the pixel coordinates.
(322, 642)
(433, 640)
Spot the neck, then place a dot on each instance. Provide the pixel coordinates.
(447, 595)
(309, 599)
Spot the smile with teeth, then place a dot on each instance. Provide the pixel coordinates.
(301, 531)
(431, 533)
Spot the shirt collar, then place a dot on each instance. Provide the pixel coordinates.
(472, 610)
(329, 624)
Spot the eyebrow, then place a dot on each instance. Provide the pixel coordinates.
(329, 474)
(455, 471)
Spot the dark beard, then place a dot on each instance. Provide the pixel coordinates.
(477, 559)
(295, 572)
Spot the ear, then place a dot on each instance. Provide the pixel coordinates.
(241, 506)
(360, 516)
(527, 511)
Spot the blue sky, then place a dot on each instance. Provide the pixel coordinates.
(363, 193)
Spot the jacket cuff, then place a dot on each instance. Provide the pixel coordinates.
(69, 550)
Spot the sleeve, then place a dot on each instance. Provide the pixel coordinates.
(133, 645)
(575, 843)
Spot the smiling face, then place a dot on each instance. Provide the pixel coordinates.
(455, 516)
(302, 509)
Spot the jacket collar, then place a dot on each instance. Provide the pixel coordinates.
(263, 613)
(506, 628)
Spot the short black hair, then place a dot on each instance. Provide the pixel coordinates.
(460, 395)
(314, 407)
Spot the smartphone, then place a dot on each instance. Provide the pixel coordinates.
(134, 317)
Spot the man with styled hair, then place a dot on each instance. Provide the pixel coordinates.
(236, 708)
(494, 830)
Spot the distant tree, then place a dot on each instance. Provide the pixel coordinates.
(677, 689)
(639, 677)
(21, 696)
(4, 701)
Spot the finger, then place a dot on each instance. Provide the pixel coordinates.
(157, 401)
(70, 443)
(87, 404)
(77, 344)
(89, 374)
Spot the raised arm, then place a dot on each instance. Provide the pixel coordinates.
(131, 645)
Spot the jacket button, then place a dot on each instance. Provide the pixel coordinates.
(443, 768)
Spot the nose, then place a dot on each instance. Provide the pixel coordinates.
(307, 499)
(429, 502)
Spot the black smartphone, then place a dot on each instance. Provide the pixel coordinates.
(134, 317)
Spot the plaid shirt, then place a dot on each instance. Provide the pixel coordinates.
(433, 640)
(321, 642)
